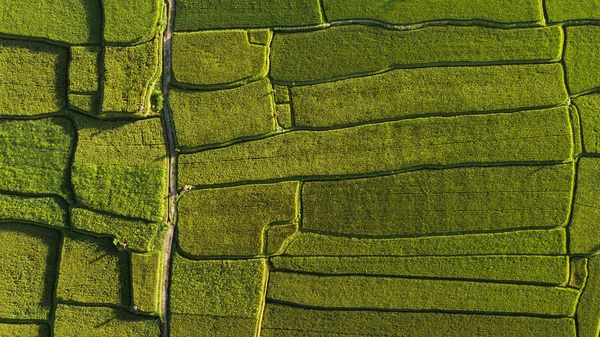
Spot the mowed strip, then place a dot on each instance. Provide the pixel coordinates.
(287, 321)
(527, 136)
(406, 93)
(386, 293)
(342, 51)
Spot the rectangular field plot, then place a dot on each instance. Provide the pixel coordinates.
(588, 309)
(385, 293)
(24, 330)
(424, 91)
(129, 22)
(510, 268)
(211, 14)
(535, 242)
(184, 325)
(49, 211)
(565, 10)
(286, 321)
(530, 136)
(27, 271)
(231, 221)
(588, 107)
(581, 58)
(583, 230)
(146, 277)
(342, 51)
(33, 79)
(418, 11)
(36, 155)
(441, 201)
(84, 69)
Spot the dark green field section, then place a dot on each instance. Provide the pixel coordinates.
(239, 112)
(73, 320)
(428, 91)
(216, 14)
(528, 242)
(588, 312)
(509, 268)
(34, 78)
(217, 58)
(48, 211)
(565, 10)
(232, 221)
(441, 201)
(27, 272)
(84, 69)
(343, 51)
(579, 272)
(581, 58)
(588, 108)
(418, 11)
(287, 321)
(527, 136)
(36, 155)
(584, 229)
(146, 273)
(24, 330)
(132, 22)
(386, 293)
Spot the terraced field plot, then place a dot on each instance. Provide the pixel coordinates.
(299, 168)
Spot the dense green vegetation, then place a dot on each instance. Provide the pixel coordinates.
(277, 236)
(128, 22)
(206, 14)
(588, 309)
(24, 330)
(50, 211)
(581, 58)
(27, 272)
(84, 69)
(240, 112)
(588, 107)
(584, 231)
(543, 135)
(423, 91)
(579, 272)
(356, 49)
(565, 10)
(214, 58)
(87, 103)
(146, 273)
(183, 325)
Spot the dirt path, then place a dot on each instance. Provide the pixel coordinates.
(167, 118)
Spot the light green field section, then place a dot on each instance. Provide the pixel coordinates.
(287, 321)
(211, 14)
(381, 293)
(527, 242)
(121, 167)
(73, 320)
(231, 221)
(441, 201)
(342, 51)
(27, 272)
(510, 268)
(93, 271)
(138, 234)
(588, 107)
(67, 21)
(129, 76)
(85, 103)
(215, 58)
(528, 136)
(208, 117)
(34, 77)
(49, 211)
(425, 91)
(583, 230)
(129, 22)
(588, 309)
(183, 325)
(582, 58)
(84, 69)
(418, 11)
(24, 330)
(565, 10)
(36, 155)
(146, 276)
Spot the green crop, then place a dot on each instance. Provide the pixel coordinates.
(385, 293)
(67, 21)
(583, 230)
(417, 11)
(231, 221)
(581, 59)
(579, 272)
(183, 325)
(75, 320)
(84, 69)
(208, 117)
(417, 92)
(524, 268)
(216, 58)
(86, 103)
(535, 242)
(36, 155)
(49, 211)
(24, 330)
(206, 14)
(565, 10)
(34, 77)
(138, 234)
(146, 278)
(543, 135)
(287, 321)
(588, 309)
(93, 271)
(277, 236)
(588, 107)
(129, 22)
(356, 49)
(441, 201)
(27, 272)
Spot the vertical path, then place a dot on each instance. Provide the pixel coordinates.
(167, 118)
